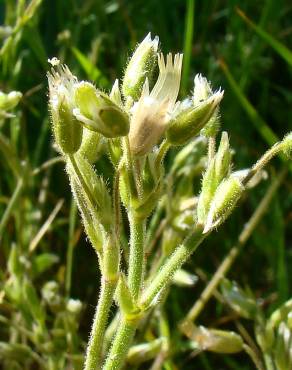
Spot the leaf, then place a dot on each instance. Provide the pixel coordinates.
(43, 262)
(89, 68)
(33, 302)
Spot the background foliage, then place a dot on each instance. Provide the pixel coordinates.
(251, 62)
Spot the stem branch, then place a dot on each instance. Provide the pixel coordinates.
(174, 262)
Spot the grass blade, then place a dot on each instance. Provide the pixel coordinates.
(188, 39)
(261, 126)
(280, 48)
(35, 241)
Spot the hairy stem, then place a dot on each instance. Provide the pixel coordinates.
(126, 331)
(94, 349)
(121, 345)
(136, 258)
(174, 262)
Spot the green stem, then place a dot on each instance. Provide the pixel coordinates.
(71, 244)
(165, 145)
(269, 362)
(94, 349)
(174, 262)
(121, 345)
(126, 331)
(136, 258)
(12, 202)
(253, 356)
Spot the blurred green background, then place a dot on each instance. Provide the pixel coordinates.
(252, 62)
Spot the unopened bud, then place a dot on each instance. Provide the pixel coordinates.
(218, 341)
(238, 300)
(287, 145)
(74, 306)
(209, 186)
(97, 112)
(225, 199)
(141, 66)
(10, 100)
(184, 279)
(223, 157)
(93, 190)
(190, 121)
(90, 222)
(143, 352)
(115, 94)
(67, 130)
(202, 91)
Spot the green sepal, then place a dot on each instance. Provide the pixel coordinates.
(188, 123)
(67, 130)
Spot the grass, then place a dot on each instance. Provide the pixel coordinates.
(247, 51)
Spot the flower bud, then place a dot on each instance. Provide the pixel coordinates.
(67, 130)
(238, 300)
(287, 145)
(213, 340)
(141, 66)
(97, 112)
(225, 199)
(74, 306)
(218, 341)
(202, 91)
(90, 222)
(10, 100)
(143, 352)
(217, 170)
(223, 157)
(184, 279)
(51, 295)
(115, 94)
(191, 120)
(209, 186)
(96, 195)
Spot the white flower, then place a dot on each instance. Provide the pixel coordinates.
(67, 130)
(61, 86)
(154, 109)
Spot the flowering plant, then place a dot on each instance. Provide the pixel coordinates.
(135, 125)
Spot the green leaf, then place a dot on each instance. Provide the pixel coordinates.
(93, 73)
(43, 262)
(33, 303)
